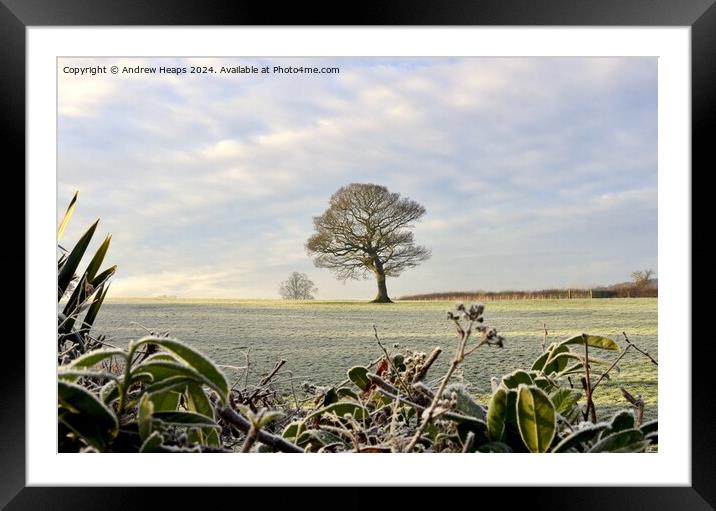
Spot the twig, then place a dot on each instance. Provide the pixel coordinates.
(250, 438)
(149, 331)
(646, 354)
(638, 402)
(74, 345)
(544, 339)
(265, 380)
(468, 441)
(588, 384)
(248, 367)
(381, 383)
(279, 364)
(103, 343)
(469, 352)
(293, 389)
(605, 373)
(375, 334)
(243, 424)
(419, 375)
(394, 446)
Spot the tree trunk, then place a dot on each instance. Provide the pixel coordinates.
(382, 296)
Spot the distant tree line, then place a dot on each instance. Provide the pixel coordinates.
(642, 285)
(543, 294)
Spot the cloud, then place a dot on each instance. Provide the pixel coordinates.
(209, 182)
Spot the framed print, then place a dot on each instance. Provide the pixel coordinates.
(430, 235)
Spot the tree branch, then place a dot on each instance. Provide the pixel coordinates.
(244, 426)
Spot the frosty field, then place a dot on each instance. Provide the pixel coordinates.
(321, 340)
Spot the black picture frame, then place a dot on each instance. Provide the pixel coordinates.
(700, 15)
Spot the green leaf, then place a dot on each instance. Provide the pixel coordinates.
(511, 408)
(628, 440)
(556, 361)
(96, 261)
(580, 437)
(478, 428)
(293, 430)
(198, 401)
(79, 298)
(104, 276)
(346, 392)
(543, 383)
(563, 359)
(171, 383)
(184, 418)
(650, 427)
(91, 359)
(359, 376)
(203, 365)
(109, 392)
(539, 364)
(496, 415)
(145, 410)
(514, 379)
(330, 397)
(573, 369)
(564, 400)
(161, 370)
(622, 420)
(594, 341)
(72, 375)
(96, 305)
(162, 357)
(87, 416)
(139, 377)
(153, 443)
(212, 437)
(536, 418)
(325, 437)
(73, 260)
(167, 401)
(498, 447)
(68, 215)
(340, 409)
(303, 438)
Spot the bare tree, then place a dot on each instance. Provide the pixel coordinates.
(298, 287)
(641, 278)
(366, 231)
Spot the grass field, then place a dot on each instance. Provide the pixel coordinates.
(321, 340)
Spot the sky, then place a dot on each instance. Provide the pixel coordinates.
(534, 172)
